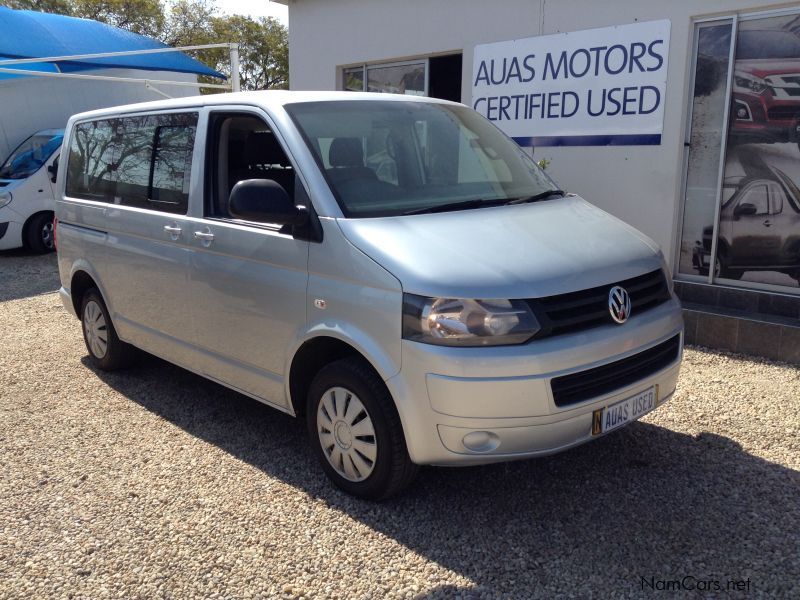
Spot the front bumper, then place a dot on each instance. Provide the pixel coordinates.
(503, 394)
(12, 225)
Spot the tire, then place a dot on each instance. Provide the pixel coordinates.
(367, 456)
(107, 354)
(39, 234)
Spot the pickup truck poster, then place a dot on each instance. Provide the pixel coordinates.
(596, 87)
(758, 233)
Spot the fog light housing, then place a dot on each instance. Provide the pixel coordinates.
(481, 441)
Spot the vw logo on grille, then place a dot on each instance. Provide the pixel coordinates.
(619, 304)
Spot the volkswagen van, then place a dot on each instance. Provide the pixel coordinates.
(27, 193)
(392, 269)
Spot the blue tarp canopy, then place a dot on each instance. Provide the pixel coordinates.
(30, 34)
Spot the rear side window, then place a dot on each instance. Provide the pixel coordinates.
(91, 162)
(146, 163)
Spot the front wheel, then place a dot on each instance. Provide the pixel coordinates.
(355, 431)
(39, 235)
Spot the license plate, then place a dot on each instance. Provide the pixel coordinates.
(621, 413)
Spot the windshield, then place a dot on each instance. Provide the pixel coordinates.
(389, 157)
(30, 155)
(767, 44)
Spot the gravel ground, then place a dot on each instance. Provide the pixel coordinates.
(155, 483)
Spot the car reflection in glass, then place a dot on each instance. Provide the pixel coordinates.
(759, 228)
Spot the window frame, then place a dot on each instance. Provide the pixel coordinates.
(365, 66)
(737, 18)
(114, 118)
(211, 144)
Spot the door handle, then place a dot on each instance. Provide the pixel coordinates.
(767, 223)
(173, 230)
(205, 236)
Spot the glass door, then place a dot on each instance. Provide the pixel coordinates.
(741, 209)
(706, 145)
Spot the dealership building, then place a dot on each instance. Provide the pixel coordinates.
(682, 118)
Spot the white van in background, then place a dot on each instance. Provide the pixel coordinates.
(27, 193)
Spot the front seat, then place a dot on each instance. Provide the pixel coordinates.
(265, 159)
(346, 158)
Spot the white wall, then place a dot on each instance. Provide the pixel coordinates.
(640, 184)
(31, 104)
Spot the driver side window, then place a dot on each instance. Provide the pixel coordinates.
(757, 196)
(244, 147)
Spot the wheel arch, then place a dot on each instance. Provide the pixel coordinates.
(80, 283)
(311, 356)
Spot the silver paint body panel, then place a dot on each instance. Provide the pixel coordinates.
(238, 309)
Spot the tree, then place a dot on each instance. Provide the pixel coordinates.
(188, 23)
(263, 50)
(145, 17)
(263, 43)
(60, 7)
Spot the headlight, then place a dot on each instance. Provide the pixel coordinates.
(5, 198)
(749, 83)
(467, 322)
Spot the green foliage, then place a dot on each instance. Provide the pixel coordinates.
(543, 163)
(263, 50)
(263, 43)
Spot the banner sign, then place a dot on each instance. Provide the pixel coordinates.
(596, 87)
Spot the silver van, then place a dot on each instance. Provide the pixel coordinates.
(393, 269)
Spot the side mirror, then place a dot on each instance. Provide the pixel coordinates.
(264, 201)
(53, 170)
(745, 208)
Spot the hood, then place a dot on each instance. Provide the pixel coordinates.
(764, 67)
(524, 251)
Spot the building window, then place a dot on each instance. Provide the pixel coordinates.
(741, 217)
(391, 78)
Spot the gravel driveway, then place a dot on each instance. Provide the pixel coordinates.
(155, 483)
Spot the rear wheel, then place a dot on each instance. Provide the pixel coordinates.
(39, 234)
(106, 350)
(722, 270)
(355, 431)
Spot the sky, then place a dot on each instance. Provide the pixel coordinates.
(255, 8)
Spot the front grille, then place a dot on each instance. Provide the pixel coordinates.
(577, 311)
(782, 113)
(585, 385)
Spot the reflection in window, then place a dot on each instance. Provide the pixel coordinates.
(353, 79)
(407, 78)
(708, 109)
(169, 182)
(135, 145)
(90, 174)
(141, 161)
(399, 79)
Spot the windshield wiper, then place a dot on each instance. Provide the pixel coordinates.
(537, 197)
(461, 205)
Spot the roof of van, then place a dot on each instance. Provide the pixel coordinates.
(266, 98)
(32, 34)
